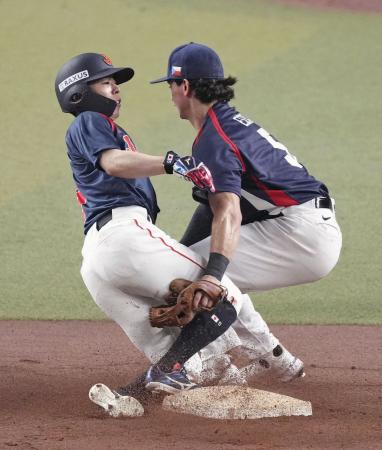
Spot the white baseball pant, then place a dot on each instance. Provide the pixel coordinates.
(127, 268)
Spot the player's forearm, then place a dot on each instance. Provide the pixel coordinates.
(225, 234)
(226, 222)
(127, 164)
(224, 240)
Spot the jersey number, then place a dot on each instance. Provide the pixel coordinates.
(291, 159)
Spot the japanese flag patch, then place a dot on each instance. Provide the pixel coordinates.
(216, 319)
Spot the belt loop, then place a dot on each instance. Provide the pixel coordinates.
(324, 202)
(102, 221)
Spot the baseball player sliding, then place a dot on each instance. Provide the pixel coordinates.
(129, 265)
(269, 223)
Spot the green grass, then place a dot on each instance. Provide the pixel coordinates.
(310, 77)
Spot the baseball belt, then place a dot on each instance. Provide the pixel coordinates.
(102, 221)
(324, 202)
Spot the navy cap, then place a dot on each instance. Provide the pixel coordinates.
(193, 61)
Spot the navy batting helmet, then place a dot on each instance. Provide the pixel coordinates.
(72, 83)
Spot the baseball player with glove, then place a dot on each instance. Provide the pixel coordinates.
(268, 224)
(130, 266)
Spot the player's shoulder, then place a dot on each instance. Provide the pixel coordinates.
(92, 117)
(228, 123)
(229, 116)
(90, 120)
(223, 110)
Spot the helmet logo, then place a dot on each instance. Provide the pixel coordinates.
(107, 60)
(73, 79)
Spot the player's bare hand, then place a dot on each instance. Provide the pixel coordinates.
(201, 299)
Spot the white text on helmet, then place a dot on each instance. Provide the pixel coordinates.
(73, 79)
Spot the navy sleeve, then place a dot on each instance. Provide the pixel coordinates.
(89, 135)
(225, 167)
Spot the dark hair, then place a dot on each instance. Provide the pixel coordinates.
(207, 90)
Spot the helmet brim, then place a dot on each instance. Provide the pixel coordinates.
(120, 74)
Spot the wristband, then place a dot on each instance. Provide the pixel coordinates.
(169, 161)
(217, 265)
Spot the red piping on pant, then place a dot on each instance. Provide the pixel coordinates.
(165, 243)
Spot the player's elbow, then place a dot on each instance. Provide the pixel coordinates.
(110, 163)
(226, 208)
(112, 170)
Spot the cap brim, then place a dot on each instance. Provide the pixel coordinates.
(160, 80)
(120, 74)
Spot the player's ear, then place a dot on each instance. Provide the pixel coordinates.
(186, 88)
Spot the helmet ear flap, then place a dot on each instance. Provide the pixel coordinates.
(70, 100)
(90, 101)
(76, 98)
(81, 98)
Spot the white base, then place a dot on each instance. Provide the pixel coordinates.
(114, 404)
(235, 402)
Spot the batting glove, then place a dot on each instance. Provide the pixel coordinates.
(187, 168)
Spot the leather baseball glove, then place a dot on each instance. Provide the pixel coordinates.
(180, 307)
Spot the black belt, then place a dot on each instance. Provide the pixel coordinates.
(324, 202)
(102, 221)
(320, 202)
(259, 216)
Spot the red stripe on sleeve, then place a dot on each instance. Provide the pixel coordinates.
(198, 136)
(233, 146)
(111, 121)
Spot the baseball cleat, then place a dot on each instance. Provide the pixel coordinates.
(279, 364)
(114, 404)
(286, 366)
(170, 383)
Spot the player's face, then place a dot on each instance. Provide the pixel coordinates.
(180, 98)
(109, 89)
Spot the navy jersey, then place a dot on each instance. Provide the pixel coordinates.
(89, 135)
(246, 160)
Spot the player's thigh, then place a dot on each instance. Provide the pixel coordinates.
(292, 250)
(131, 313)
(141, 259)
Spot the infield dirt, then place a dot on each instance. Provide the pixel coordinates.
(47, 368)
